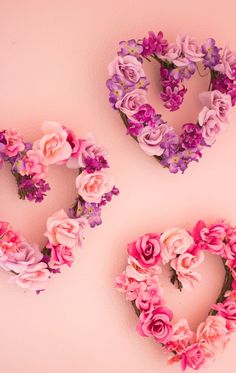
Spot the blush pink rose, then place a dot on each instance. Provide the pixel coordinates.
(184, 265)
(174, 54)
(128, 67)
(17, 257)
(227, 309)
(132, 101)
(14, 143)
(122, 282)
(227, 65)
(156, 324)
(146, 250)
(191, 49)
(196, 356)
(150, 139)
(53, 146)
(136, 271)
(32, 164)
(175, 241)
(60, 255)
(211, 125)
(62, 230)
(134, 288)
(91, 187)
(214, 331)
(220, 102)
(33, 278)
(181, 338)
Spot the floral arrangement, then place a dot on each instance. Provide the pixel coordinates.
(178, 61)
(30, 266)
(183, 251)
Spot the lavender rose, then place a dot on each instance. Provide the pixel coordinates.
(131, 102)
(150, 139)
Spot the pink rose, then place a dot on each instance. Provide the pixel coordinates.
(174, 54)
(191, 49)
(146, 250)
(230, 248)
(4, 226)
(33, 278)
(181, 338)
(150, 139)
(60, 255)
(128, 67)
(175, 241)
(211, 125)
(62, 230)
(227, 65)
(91, 187)
(196, 356)
(156, 324)
(220, 102)
(17, 257)
(149, 297)
(184, 265)
(213, 238)
(14, 143)
(134, 289)
(227, 309)
(214, 332)
(136, 271)
(122, 282)
(132, 101)
(31, 164)
(53, 145)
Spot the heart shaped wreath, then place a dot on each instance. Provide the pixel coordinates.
(183, 252)
(178, 61)
(59, 145)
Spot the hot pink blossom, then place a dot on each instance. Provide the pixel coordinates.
(227, 309)
(60, 255)
(32, 164)
(196, 356)
(181, 338)
(136, 271)
(14, 143)
(146, 250)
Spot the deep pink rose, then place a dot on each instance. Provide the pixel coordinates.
(53, 146)
(17, 257)
(134, 288)
(220, 102)
(175, 241)
(132, 101)
(196, 356)
(213, 331)
(34, 277)
(181, 338)
(128, 67)
(184, 265)
(156, 324)
(230, 248)
(227, 309)
(14, 143)
(213, 238)
(62, 230)
(150, 139)
(60, 255)
(4, 226)
(146, 250)
(227, 65)
(149, 297)
(91, 187)
(211, 125)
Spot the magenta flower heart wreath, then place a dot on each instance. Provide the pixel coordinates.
(59, 145)
(183, 252)
(178, 61)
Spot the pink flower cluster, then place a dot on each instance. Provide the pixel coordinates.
(128, 87)
(183, 251)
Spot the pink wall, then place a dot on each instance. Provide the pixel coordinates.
(53, 65)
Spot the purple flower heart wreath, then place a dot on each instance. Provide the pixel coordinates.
(183, 251)
(178, 61)
(30, 266)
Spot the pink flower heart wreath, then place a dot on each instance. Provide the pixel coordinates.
(178, 61)
(59, 145)
(183, 252)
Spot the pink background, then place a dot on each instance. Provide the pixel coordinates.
(53, 65)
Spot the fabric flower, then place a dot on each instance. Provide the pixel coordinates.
(131, 102)
(128, 67)
(191, 48)
(175, 241)
(213, 237)
(53, 145)
(181, 337)
(211, 125)
(150, 139)
(227, 309)
(196, 356)
(14, 143)
(184, 265)
(91, 187)
(60, 255)
(146, 250)
(213, 331)
(191, 136)
(217, 101)
(61, 230)
(156, 324)
(138, 272)
(33, 278)
(31, 165)
(227, 65)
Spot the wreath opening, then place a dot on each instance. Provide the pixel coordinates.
(182, 251)
(128, 86)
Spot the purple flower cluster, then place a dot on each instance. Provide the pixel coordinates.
(211, 54)
(154, 44)
(95, 164)
(173, 91)
(30, 189)
(223, 84)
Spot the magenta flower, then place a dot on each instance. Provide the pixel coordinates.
(146, 250)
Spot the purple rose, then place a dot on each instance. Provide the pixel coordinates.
(128, 67)
(131, 102)
(150, 139)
